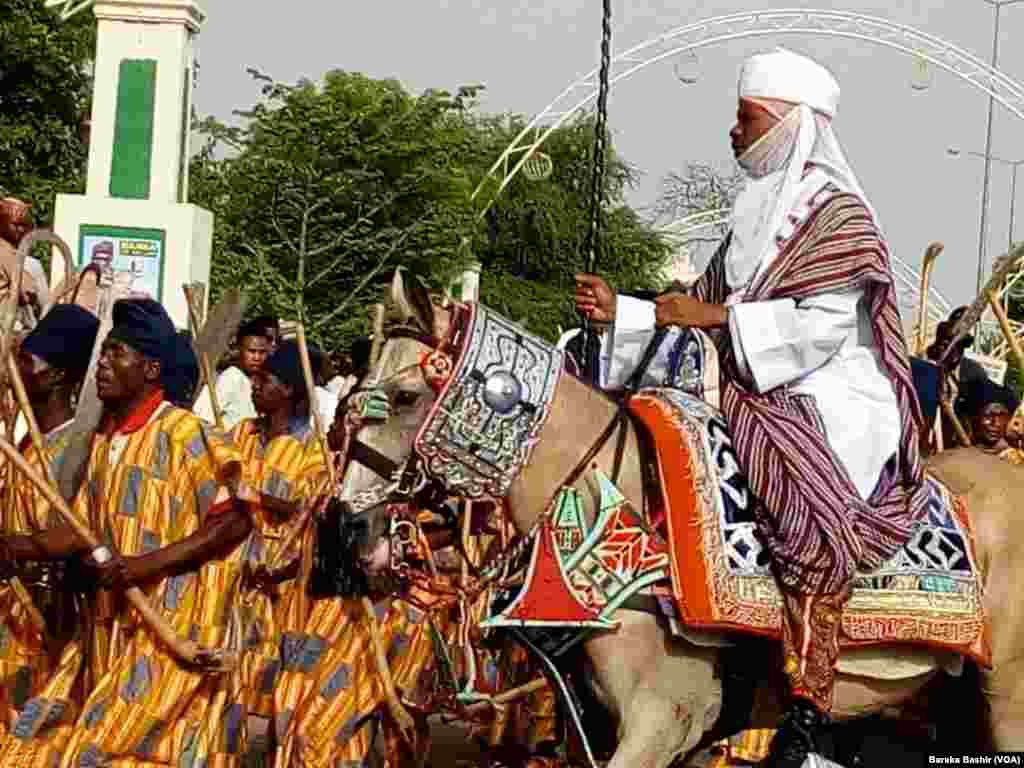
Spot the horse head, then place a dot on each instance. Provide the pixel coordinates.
(381, 474)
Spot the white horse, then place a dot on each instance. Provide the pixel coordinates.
(663, 691)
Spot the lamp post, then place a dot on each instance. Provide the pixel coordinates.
(982, 236)
(1015, 164)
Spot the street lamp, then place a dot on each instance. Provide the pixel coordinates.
(1015, 164)
(982, 236)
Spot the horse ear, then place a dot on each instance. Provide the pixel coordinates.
(412, 301)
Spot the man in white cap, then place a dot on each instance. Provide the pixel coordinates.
(815, 376)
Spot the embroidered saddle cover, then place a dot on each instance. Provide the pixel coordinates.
(927, 594)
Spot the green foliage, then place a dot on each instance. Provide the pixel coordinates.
(1014, 374)
(327, 187)
(45, 90)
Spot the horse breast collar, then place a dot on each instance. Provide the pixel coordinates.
(492, 405)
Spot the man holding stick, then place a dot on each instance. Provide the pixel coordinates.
(284, 465)
(157, 489)
(52, 360)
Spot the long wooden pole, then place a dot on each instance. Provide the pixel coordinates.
(930, 255)
(187, 650)
(1004, 324)
(204, 361)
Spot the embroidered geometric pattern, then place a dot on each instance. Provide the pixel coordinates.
(482, 429)
(927, 593)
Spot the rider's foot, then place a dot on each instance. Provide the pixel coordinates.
(803, 730)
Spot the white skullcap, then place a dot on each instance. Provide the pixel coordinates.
(791, 77)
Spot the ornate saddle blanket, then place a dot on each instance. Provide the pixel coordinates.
(928, 593)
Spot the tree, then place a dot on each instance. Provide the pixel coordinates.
(327, 187)
(331, 185)
(538, 232)
(45, 94)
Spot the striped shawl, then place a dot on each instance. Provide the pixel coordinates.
(818, 529)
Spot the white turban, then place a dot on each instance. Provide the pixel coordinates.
(774, 200)
(788, 76)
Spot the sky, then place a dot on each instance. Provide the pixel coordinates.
(526, 52)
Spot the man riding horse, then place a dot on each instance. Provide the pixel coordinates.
(816, 383)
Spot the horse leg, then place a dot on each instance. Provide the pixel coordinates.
(664, 698)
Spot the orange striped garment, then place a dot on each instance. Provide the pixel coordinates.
(27, 657)
(146, 489)
(288, 468)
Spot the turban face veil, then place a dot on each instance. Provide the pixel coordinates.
(64, 337)
(143, 324)
(777, 164)
(286, 365)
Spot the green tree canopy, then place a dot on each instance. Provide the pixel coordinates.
(326, 187)
(45, 93)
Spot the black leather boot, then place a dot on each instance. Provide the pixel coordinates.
(804, 729)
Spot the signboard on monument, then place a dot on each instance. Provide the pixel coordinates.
(131, 257)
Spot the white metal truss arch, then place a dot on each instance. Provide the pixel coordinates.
(578, 97)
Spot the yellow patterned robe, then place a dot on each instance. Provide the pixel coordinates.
(25, 653)
(288, 468)
(330, 689)
(745, 748)
(147, 486)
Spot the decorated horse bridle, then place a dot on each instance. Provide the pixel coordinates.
(495, 384)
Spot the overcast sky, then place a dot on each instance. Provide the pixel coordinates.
(527, 51)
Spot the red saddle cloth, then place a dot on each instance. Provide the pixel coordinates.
(929, 594)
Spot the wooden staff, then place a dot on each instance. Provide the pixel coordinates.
(1004, 324)
(504, 698)
(947, 408)
(398, 712)
(204, 361)
(16, 584)
(187, 650)
(930, 256)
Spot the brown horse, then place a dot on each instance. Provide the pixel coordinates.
(663, 691)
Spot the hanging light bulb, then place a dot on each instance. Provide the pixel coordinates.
(921, 78)
(538, 166)
(687, 67)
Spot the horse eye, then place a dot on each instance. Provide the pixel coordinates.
(405, 399)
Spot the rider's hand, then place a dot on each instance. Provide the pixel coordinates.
(681, 309)
(594, 299)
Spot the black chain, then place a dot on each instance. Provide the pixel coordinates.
(598, 164)
(597, 176)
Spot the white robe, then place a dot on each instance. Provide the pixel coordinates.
(234, 396)
(822, 347)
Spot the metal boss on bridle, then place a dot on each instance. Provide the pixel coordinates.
(598, 168)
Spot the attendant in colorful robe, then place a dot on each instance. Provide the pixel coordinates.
(52, 361)
(283, 463)
(158, 488)
(815, 378)
(256, 340)
(329, 693)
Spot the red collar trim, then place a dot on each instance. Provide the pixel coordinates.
(137, 419)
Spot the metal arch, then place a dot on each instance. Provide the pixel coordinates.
(69, 8)
(871, 29)
(908, 277)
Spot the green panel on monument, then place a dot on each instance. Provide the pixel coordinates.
(133, 130)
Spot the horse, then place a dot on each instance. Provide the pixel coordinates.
(664, 692)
